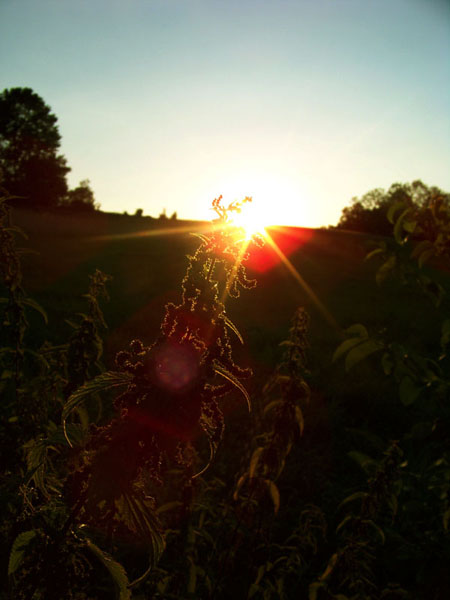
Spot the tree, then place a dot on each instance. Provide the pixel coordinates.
(368, 213)
(82, 197)
(29, 143)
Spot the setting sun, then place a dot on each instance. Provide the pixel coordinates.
(251, 220)
(276, 200)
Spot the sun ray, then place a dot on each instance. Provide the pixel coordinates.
(290, 267)
(158, 231)
(235, 270)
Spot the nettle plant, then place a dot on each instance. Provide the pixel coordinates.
(167, 400)
(420, 376)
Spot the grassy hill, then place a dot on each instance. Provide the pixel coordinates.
(146, 259)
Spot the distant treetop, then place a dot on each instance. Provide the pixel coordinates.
(29, 144)
(31, 169)
(368, 213)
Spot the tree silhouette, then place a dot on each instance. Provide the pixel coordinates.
(31, 167)
(368, 213)
(82, 197)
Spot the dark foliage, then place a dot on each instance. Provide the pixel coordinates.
(33, 171)
(368, 213)
(81, 198)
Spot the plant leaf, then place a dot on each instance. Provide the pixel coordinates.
(374, 253)
(272, 405)
(398, 227)
(366, 463)
(361, 352)
(233, 328)
(330, 568)
(300, 419)
(220, 370)
(33, 304)
(239, 484)
(409, 226)
(274, 494)
(18, 550)
(345, 347)
(314, 588)
(115, 569)
(352, 497)
(105, 381)
(393, 209)
(254, 461)
(357, 330)
(376, 529)
(385, 269)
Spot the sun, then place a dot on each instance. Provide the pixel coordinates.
(251, 219)
(276, 199)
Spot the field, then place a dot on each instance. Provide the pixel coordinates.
(350, 420)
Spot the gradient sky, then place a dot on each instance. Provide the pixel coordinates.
(165, 104)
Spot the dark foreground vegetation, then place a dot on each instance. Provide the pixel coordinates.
(132, 467)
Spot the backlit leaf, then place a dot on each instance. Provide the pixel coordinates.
(409, 226)
(272, 405)
(18, 550)
(33, 304)
(385, 269)
(220, 370)
(115, 569)
(367, 463)
(299, 418)
(274, 494)
(361, 352)
(345, 347)
(374, 253)
(376, 529)
(233, 328)
(357, 329)
(314, 588)
(239, 484)
(254, 461)
(105, 381)
(348, 519)
(394, 208)
(330, 567)
(398, 227)
(352, 497)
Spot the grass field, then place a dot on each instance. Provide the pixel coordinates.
(147, 262)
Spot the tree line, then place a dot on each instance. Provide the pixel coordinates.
(368, 213)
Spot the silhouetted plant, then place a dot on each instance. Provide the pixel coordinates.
(351, 568)
(171, 394)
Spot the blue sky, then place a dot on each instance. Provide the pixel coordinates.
(165, 104)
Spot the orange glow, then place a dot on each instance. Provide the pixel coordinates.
(251, 220)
